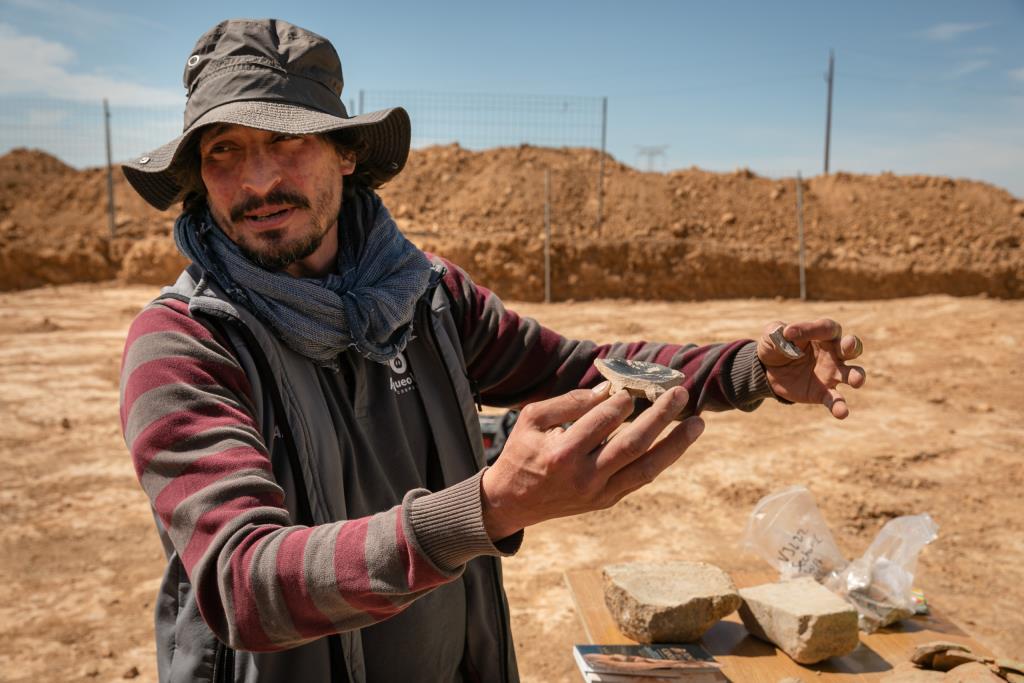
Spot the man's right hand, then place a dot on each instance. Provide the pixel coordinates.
(547, 471)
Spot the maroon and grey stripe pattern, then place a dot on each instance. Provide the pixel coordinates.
(261, 584)
(515, 360)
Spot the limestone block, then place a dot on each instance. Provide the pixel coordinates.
(803, 618)
(669, 602)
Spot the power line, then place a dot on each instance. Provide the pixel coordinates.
(930, 83)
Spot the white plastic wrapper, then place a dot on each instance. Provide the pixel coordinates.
(787, 530)
(879, 583)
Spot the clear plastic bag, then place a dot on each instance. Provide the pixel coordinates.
(787, 530)
(880, 582)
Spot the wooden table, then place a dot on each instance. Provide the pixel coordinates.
(746, 659)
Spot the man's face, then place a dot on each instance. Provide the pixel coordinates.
(277, 196)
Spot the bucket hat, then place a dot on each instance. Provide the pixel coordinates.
(271, 75)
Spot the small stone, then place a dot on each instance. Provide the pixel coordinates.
(803, 618)
(132, 672)
(90, 672)
(974, 672)
(950, 659)
(1010, 666)
(673, 602)
(914, 242)
(1019, 209)
(65, 423)
(924, 653)
(728, 218)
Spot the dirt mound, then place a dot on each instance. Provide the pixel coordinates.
(152, 260)
(688, 234)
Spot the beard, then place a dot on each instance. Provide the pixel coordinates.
(274, 250)
(277, 253)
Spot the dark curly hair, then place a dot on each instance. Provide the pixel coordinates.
(187, 170)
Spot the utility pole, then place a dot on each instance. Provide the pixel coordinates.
(828, 109)
(111, 224)
(547, 235)
(600, 171)
(650, 152)
(800, 234)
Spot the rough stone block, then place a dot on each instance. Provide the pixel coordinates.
(671, 602)
(803, 618)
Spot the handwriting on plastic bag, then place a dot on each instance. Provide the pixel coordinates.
(798, 552)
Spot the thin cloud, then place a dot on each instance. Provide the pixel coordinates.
(30, 65)
(46, 118)
(1017, 74)
(81, 20)
(950, 30)
(965, 68)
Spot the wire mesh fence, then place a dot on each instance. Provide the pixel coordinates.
(478, 121)
(74, 131)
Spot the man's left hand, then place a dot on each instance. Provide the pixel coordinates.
(814, 376)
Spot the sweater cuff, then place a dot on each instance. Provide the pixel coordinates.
(748, 383)
(449, 526)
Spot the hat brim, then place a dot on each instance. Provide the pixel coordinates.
(387, 133)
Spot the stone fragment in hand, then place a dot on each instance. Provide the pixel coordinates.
(640, 378)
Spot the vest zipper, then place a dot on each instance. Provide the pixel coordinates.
(223, 664)
(496, 584)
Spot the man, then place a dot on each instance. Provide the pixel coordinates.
(299, 406)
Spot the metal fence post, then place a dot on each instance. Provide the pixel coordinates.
(800, 233)
(600, 172)
(110, 170)
(547, 235)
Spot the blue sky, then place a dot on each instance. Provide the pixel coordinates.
(921, 86)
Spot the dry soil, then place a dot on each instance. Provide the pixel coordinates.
(685, 235)
(936, 429)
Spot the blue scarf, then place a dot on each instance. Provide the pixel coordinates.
(368, 304)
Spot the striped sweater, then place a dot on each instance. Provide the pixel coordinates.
(263, 583)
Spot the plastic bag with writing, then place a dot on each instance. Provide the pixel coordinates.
(787, 530)
(880, 582)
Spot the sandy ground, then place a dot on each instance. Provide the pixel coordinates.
(937, 429)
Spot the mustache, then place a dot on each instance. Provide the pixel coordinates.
(252, 203)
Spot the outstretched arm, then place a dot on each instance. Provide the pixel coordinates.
(515, 360)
